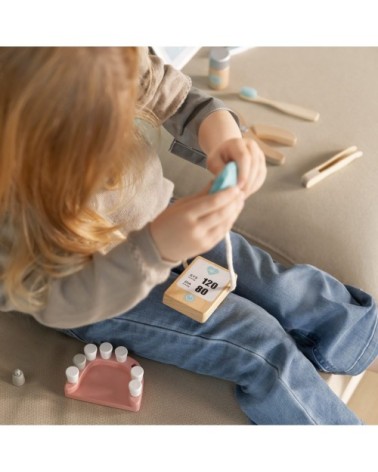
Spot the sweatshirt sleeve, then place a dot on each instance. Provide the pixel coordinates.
(184, 124)
(168, 95)
(108, 285)
(162, 88)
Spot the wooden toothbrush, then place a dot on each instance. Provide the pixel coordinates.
(250, 94)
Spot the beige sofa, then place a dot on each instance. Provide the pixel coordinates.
(332, 225)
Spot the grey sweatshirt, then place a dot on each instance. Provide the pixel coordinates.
(113, 282)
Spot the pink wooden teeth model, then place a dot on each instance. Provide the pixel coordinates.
(113, 379)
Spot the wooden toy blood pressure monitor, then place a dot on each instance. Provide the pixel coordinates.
(203, 285)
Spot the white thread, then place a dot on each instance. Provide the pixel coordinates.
(230, 262)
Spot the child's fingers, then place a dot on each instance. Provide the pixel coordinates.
(249, 158)
(218, 231)
(259, 169)
(242, 156)
(225, 217)
(255, 166)
(213, 203)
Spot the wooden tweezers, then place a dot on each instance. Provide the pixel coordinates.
(262, 133)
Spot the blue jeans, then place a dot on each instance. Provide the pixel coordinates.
(269, 337)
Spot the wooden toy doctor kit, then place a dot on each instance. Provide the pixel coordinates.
(113, 379)
(336, 162)
(203, 285)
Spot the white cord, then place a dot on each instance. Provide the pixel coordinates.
(230, 262)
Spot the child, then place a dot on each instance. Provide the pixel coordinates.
(89, 241)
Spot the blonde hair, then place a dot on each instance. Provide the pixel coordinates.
(66, 129)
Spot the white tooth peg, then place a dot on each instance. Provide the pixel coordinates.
(90, 351)
(18, 378)
(79, 361)
(137, 373)
(106, 350)
(135, 388)
(121, 353)
(72, 374)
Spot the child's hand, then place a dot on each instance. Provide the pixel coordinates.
(249, 158)
(195, 224)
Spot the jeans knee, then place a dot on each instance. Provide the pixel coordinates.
(352, 355)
